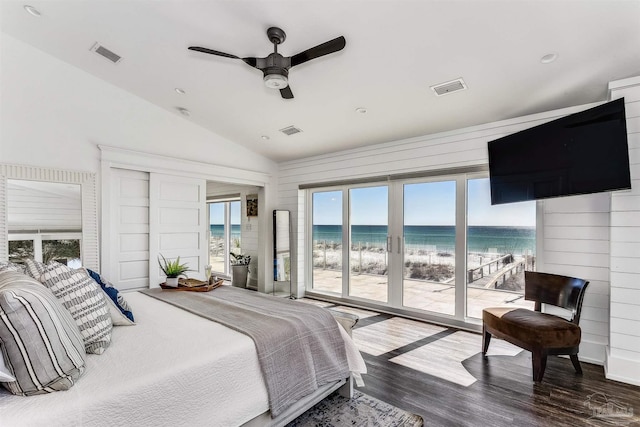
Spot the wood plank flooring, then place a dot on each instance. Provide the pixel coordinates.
(440, 374)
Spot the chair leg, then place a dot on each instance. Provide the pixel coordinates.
(539, 359)
(486, 338)
(576, 363)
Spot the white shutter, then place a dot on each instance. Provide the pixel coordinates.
(177, 224)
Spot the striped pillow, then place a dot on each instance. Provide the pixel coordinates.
(41, 344)
(34, 268)
(84, 299)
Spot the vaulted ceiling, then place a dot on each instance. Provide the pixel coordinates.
(395, 51)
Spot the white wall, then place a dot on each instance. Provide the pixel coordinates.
(54, 115)
(623, 356)
(575, 235)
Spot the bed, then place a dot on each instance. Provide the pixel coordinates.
(172, 368)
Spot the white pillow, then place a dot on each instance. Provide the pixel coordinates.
(4, 372)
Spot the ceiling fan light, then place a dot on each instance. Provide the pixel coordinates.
(275, 81)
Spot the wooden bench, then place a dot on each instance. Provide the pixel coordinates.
(540, 333)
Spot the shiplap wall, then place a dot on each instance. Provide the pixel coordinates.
(575, 242)
(249, 228)
(623, 356)
(574, 251)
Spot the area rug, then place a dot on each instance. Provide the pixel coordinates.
(362, 410)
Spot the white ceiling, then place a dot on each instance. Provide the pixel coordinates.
(396, 50)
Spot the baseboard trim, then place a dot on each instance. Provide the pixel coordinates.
(619, 369)
(591, 352)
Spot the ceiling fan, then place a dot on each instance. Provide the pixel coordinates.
(275, 67)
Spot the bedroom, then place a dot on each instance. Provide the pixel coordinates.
(62, 114)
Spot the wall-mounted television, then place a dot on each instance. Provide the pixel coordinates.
(581, 153)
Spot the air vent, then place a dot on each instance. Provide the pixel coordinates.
(291, 130)
(449, 87)
(106, 53)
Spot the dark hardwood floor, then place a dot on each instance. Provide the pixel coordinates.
(503, 393)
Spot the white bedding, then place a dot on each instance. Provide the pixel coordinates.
(172, 369)
(158, 373)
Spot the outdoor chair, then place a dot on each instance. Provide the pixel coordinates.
(540, 333)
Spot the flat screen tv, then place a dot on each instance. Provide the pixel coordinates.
(582, 153)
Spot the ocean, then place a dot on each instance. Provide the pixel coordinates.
(441, 238)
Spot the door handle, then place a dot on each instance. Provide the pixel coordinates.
(389, 244)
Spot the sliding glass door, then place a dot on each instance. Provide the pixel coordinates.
(369, 242)
(326, 240)
(433, 246)
(428, 280)
(501, 245)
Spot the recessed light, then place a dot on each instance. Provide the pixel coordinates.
(549, 58)
(361, 110)
(32, 10)
(180, 91)
(265, 137)
(184, 111)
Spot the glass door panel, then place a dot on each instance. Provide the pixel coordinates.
(225, 234)
(327, 241)
(429, 246)
(217, 240)
(501, 245)
(368, 232)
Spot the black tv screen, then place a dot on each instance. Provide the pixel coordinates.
(582, 153)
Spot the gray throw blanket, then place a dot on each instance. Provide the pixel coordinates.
(299, 345)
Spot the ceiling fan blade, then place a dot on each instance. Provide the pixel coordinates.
(315, 52)
(286, 93)
(212, 52)
(252, 62)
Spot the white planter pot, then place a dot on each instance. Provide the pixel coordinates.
(172, 281)
(239, 278)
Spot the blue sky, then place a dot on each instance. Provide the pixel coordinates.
(216, 213)
(425, 204)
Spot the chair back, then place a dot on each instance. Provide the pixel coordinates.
(561, 291)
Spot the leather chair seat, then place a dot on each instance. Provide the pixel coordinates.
(532, 328)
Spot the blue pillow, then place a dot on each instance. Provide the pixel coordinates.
(116, 298)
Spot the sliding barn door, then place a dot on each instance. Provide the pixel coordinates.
(129, 235)
(177, 224)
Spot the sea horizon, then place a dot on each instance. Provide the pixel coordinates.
(436, 238)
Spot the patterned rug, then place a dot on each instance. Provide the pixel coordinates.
(361, 411)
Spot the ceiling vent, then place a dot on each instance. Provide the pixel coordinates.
(449, 87)
(291, 130)
(106, 53)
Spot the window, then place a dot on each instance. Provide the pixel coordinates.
(46, 247)
(225, 235)
(434, 246)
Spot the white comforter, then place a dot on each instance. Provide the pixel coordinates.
(173, 368)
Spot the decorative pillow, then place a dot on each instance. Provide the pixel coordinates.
(121, 314)
(34, 268)
(11, 266)
(87, 304)
(41, 344)
(5, 376)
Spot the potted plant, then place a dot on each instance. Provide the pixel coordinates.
(240, 267)
(173, 270)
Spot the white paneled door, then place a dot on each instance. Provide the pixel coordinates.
(177, 224)
(129, 229)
